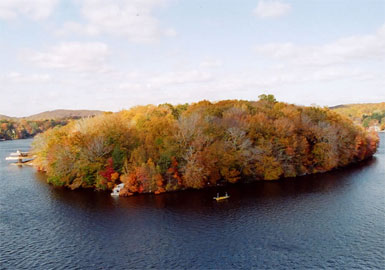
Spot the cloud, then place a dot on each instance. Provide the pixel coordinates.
(195, 85)
(132, 20)
(72, 56)
(340, 51)
(35, 9)
(16, 77)
(271, 9)
(211, 63)
(180, 77)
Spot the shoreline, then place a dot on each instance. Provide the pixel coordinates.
(247, 181)
(5, 140)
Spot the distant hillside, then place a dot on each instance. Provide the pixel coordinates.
(12, 128)
(61, 114)
(359, 110)
(5, 117)
(55, 115)
(366, 114)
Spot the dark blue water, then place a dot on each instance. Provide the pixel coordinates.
(334, 220)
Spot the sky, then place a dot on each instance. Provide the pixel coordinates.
(112, 55)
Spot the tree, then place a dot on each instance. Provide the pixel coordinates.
(269, 98)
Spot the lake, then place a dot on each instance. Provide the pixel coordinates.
(334, 220)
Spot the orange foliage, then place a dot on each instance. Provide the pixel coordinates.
(155, 149)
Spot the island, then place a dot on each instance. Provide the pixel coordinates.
(156, 149)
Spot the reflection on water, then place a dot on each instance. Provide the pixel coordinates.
(332, 220)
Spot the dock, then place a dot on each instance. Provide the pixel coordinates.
(22, 158)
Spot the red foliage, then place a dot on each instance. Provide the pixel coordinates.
(173, 171)
(109, 170)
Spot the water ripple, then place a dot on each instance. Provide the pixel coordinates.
(330, 221)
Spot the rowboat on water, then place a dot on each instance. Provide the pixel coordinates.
(219, 198)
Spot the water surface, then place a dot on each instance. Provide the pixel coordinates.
(334, 220)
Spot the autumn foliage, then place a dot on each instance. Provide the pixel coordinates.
(22, 129)
(154, 149)
(366, 114)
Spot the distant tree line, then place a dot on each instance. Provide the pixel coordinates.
(368, 115)
(375, 118)
(165, 148)
(23, 129)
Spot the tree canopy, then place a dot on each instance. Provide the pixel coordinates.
(165, 148)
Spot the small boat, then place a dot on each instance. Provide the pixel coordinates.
(21, 157)
(116, 190)
(219, 198)
(12, 158)
(20, 154)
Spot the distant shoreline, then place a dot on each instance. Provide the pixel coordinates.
(5, 140)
